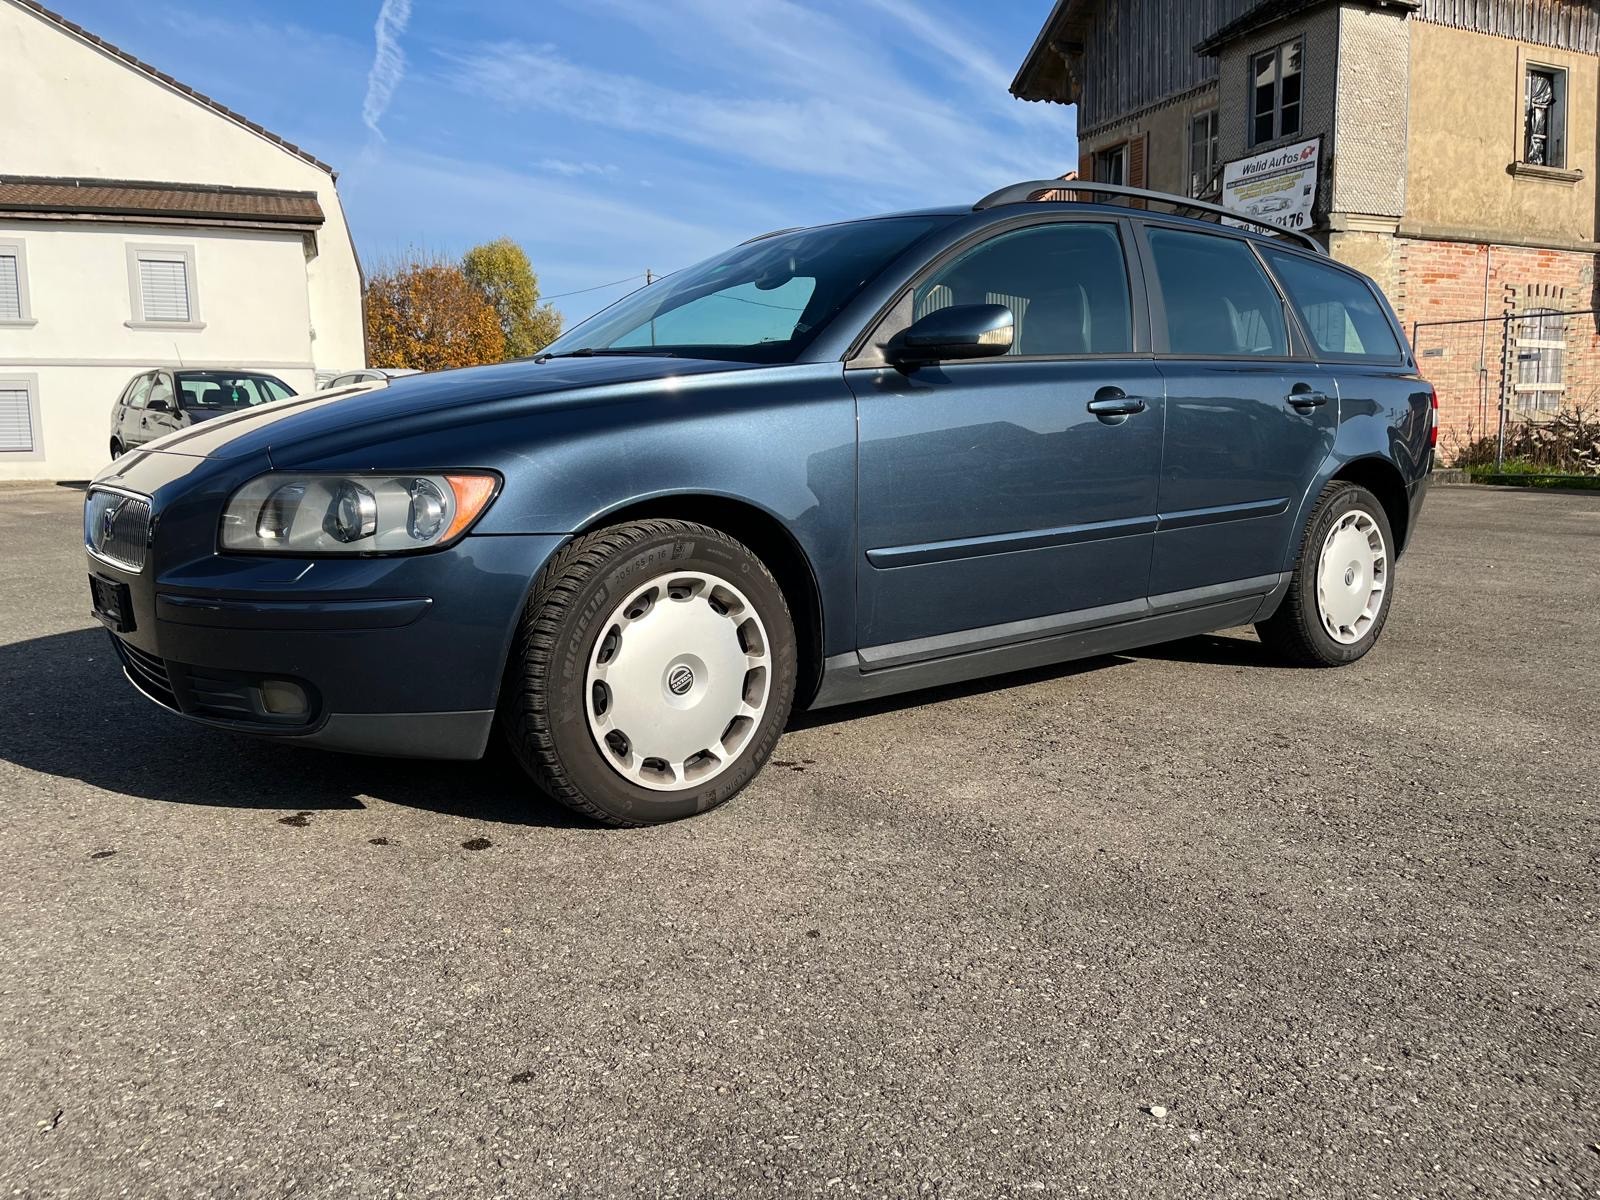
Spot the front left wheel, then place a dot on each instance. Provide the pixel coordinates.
(652, 673)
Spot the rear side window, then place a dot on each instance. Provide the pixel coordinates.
(1218, 299)
(1340, 312)
(1066, 285)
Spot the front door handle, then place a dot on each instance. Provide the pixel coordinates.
(1305, 398)
(1114, 402)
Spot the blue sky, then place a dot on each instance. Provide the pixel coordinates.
(608, 136)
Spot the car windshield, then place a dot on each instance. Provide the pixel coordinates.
(226, 391)
(761, 302)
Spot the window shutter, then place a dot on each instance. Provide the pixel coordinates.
(1136, 156)
(10, 289)
(1085, 164)
(16, 421)
(164, 289)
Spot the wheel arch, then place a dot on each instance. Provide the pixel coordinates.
(1383, 479)
(770, 540)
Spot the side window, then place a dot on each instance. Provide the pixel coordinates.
(1340, 312)
(271, 389)
(139, 392)
(1218, 299)
(1066, 285)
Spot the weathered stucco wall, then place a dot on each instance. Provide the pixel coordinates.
(1369, 141)
(1466, 120)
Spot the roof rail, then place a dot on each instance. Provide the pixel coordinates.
(1021, 193)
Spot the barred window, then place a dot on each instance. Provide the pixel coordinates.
(1540, 345)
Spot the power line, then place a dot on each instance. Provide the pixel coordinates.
(596, 288)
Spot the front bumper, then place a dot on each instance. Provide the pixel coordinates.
(396, 656)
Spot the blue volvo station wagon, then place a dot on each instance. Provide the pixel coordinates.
(830, 464)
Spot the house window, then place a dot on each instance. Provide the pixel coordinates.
(1544, 142)
(14, 284)
(1275, 92)
(161, 286)
(1111, 166)
(1203, 153)
(19, 416)
(1541, 345)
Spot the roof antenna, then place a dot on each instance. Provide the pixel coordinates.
(179, 353)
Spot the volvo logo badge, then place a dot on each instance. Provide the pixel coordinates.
(680, 680)
(108, 520)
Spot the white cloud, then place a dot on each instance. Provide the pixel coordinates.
(388, 61)
(562, 166)
(825, 100)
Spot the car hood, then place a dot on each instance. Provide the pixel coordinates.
(310, 417)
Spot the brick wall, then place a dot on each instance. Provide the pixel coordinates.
(1469, 363)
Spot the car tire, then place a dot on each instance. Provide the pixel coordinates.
(616, 622)
(1343, 585)
(117, 449)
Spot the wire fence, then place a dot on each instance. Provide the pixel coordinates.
(1512, 382)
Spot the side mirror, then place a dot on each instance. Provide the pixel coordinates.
(960, 331)
(159, 405)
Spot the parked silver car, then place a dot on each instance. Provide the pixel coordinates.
(365, 375)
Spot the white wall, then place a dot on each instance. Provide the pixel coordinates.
(72, 109)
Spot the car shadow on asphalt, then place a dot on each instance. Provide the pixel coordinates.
(70, 713)
(74, 716)
(1238, 650)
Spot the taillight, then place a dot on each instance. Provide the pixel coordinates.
(1433, 418)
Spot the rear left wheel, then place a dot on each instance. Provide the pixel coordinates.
(653, 672)
(1338, 601)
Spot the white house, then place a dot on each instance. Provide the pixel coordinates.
(143, 224)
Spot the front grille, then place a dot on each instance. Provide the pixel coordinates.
(149, 673)
(116, 527)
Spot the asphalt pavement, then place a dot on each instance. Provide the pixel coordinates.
(1176, 923)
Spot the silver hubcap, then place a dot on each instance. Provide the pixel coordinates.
(678, 681)
(1352, 575)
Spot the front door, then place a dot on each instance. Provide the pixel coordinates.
(1248, 422)
(991, 495)
(131, 412)
(160, 415)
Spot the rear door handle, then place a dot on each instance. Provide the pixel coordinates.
(1307, 398)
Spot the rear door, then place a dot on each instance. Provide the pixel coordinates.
(1383, 406)
(1250, 416)
(991, 492)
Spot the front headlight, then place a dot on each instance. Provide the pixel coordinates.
(354, 514)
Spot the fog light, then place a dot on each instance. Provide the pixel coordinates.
(282, 698)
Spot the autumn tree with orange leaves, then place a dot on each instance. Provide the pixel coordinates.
(428, 315)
